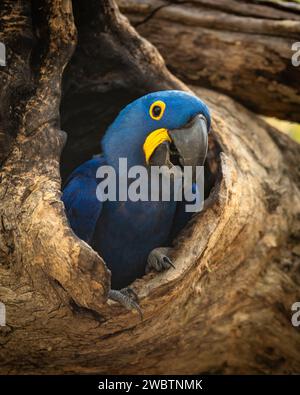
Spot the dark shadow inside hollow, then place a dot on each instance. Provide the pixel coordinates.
(109, 68)
(102, 78)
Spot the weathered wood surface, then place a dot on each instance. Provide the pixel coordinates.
(227, 306)
(240, 48)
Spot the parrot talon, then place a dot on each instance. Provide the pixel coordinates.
(170, 263)
(158, 260)
(127, 298)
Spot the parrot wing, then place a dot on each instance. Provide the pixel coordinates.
(79, 196)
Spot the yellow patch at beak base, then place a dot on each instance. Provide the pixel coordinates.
(153, 140)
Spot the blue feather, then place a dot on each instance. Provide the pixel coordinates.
(124, 233)
(79, 196)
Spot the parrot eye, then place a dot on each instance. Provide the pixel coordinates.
(157, 110)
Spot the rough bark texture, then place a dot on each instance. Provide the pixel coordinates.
(240, 48)
(227, 306)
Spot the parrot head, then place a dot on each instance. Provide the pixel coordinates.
(162, 128)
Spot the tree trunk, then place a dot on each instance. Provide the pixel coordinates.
(226, 307)
(240, 48)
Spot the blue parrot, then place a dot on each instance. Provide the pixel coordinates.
(163, 128)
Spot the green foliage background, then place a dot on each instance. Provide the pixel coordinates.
(292, 129)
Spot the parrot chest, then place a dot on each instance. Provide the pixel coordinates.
(127, 232)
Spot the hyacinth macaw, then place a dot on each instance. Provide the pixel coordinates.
(161, 128)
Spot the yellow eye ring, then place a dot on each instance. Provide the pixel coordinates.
(157, 110)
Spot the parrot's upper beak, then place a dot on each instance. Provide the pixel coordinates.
(188, 146)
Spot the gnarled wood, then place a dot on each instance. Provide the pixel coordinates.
(226, 306)
(240, 48)
(35, 236)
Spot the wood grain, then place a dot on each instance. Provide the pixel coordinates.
(240, 48)
(226, 308)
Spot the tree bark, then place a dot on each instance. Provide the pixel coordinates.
(240, 48)
(226, 308)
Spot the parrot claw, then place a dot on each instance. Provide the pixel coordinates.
(158, 260)
(127, 298)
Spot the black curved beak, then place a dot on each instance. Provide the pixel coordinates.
(188, 148)
(191, 141)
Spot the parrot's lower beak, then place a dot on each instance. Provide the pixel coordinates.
(188, 146)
